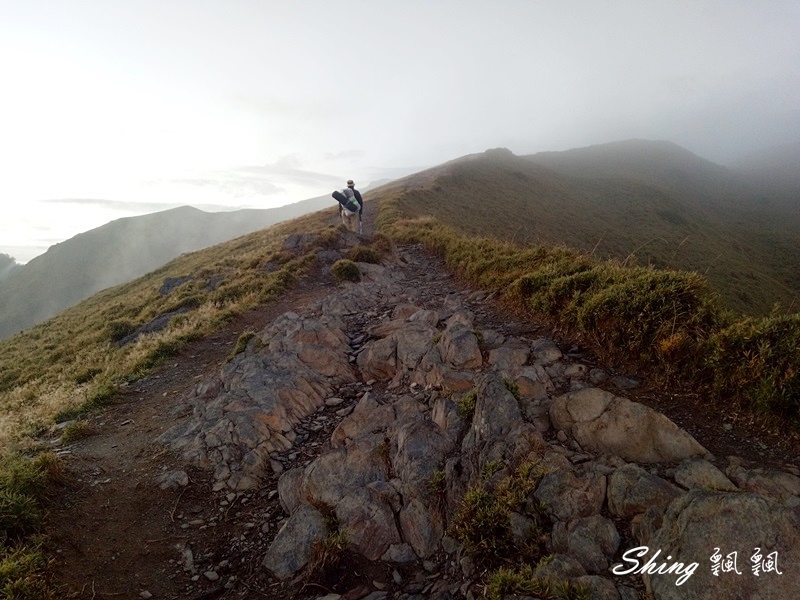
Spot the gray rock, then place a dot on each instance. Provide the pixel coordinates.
(698, 473)
(597, 587)
(413, 342)
(604, 423)
(496, 415)
(399, 553)
(546, 352)
(704, 524)
(567, 495)
(775, 484)
(172, 479)
(509, 356)
(459, 347)
(289, 490)
(632, 490)
(368, 522)
(292, 547)
(593, 541)
(368, 417)
(422, 526)
(379, 359)
(558, 568)
(336, 473)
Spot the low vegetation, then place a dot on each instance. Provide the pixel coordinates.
(747, 252)
(509, 582)
(25, 487)
(482, 520)
(76, 362)
(346, 270)
(241, 344)
(365, 254)
(466, 405)
(664, 319)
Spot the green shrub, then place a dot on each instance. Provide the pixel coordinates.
(466, 405)
(346, 270)
(506, 582)
(102, 394)
(364, 254)
(482, 520)
(512, 387)
(19, 513)
(117, 330)
(758, 359)
(77, 431)
(438, 483)
(25, 485)
(87, 375)
(241, 344)
(21, 575)
(636, 312)
(163, 350)
(34, 477)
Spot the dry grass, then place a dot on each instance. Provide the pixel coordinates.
(748, 258)
(73, 362)
(668, 320)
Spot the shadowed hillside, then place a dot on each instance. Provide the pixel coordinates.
(646, 203)
(120, 251)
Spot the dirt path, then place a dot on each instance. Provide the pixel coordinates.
(119, 536)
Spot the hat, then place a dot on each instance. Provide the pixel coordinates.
(350, 182)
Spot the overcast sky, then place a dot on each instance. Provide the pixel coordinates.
(113, 108)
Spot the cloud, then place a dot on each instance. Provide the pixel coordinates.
(345, 155)
(235, 186)
(290, 174)
(119, 205)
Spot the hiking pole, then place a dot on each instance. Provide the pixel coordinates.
(360, 226)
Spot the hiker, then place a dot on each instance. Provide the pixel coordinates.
(352, 220)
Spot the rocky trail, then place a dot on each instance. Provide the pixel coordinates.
(218, 478)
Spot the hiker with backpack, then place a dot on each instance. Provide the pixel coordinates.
(351, 206)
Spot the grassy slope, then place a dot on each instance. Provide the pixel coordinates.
(629, 217)
(71, 363)
(120, 251)
(72, 359)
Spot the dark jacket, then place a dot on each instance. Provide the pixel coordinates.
(357, 195)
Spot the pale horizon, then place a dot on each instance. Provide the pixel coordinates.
(113, 108)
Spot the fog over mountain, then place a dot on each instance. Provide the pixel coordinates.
(120, 251)
(7, 265)
(179, 104)
(652, 199)
(651, 203)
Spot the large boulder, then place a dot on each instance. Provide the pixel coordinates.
(291, 549)
(604, 423)
(703, 529)
(378, 360)
(249, 410)
(367, 521)
(459, 347)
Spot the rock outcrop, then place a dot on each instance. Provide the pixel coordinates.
(428, 405)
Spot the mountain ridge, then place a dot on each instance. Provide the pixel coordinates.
(120, 251)
(676, 210)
